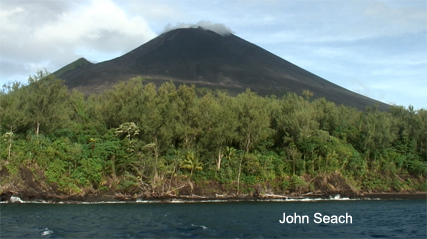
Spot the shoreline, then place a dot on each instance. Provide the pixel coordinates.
(391, 195)
(119, 198)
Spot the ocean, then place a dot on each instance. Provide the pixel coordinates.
(281, 219)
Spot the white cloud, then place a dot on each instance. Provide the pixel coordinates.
(102, 24)
(51, 34)
(219, 28)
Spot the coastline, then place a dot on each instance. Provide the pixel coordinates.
(120, 198)
(33, 188)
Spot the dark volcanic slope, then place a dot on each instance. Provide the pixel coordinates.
(206, 59)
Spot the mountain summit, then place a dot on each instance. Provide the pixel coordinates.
(207, 59)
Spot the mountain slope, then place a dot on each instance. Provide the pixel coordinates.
(207, 59)
(81, 62)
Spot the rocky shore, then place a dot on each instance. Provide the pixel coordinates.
(32, 187)
(13, 197)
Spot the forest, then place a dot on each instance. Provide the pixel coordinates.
(137, 138)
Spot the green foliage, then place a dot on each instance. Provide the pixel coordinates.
(136, 136)
(45, 102)
(254, 120)
(297, 183)
(56, 174)
(418, 168)
(128, 129)
(129, 181)
(190, 161)
(91, 171)
(250, 179)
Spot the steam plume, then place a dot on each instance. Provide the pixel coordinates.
(219, 28)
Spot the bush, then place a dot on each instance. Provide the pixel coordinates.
(286, 184)
(418, 168)
(129, 181)
(250, 179)
(298, 184)
(91, 169)
(56, 173)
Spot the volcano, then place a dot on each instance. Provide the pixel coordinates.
(206, 59)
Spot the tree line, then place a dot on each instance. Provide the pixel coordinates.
(139, 136)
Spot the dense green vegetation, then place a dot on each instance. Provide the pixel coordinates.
(139, 137)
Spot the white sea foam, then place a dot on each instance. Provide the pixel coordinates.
(178, 201)
(46, 232)
(336, 197)
(139, 200)
(104, 202)
(201, 226)
(15, 199)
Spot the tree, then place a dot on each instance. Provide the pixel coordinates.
(218, 124)
(326, 115)
(254, 119)
(80, 107)
(46, 102)
(123, 103)
(293, 154)
(295, 118)
(191, 162)
(8, 137)
(158, 118)
(188, 119)
(307, 94)
(129, 129)
(377, 130)
(12, 108)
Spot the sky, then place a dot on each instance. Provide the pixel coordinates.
(377, 48)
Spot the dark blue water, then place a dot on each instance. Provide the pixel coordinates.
(370, 219)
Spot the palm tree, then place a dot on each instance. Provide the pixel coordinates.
(191, 162)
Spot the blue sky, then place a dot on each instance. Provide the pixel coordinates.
(375, 48)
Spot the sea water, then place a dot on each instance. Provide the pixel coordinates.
(369, 219)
